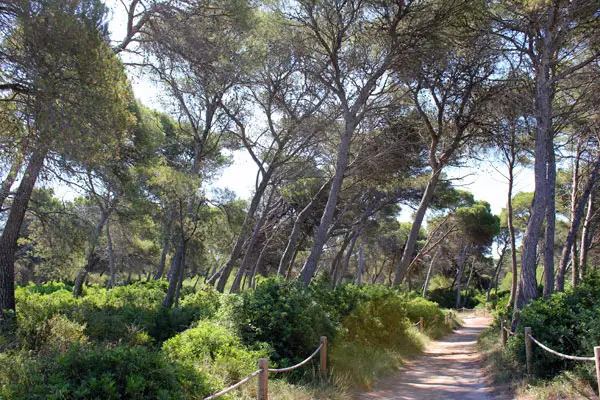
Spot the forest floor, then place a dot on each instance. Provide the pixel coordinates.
(448, 369)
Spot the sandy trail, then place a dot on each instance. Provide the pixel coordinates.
(448, 369)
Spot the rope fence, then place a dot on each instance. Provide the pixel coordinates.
(263, 373)
(530, 340)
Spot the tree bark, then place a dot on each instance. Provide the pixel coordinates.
(336, 186)
(174, 273)
(344, 267)
(294, 238)
(469, 282)
(550, 221)
(426, 285)
(15, 167)
(89, 257)
(237, 248)
(461, 265)
(160, 271)
(585, 234)
(566, 253)
(111, 258)
(361, 261)
(411, 241)
(12, 228)
(513, 240)
(235, 287)
(496, 275)
(527, 285)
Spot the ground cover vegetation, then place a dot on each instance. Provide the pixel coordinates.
(352, 113)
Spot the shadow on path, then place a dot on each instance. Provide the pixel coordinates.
(448, 369)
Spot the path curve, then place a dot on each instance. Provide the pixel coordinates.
(448, 369)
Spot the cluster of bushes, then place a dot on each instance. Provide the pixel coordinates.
(122, 343)
(568, 322)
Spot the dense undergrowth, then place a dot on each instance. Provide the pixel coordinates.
(123, 344)
(568, 322)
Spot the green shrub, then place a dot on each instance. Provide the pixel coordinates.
(99, 373)
(568, 322)
(282, 314)
(212, 348)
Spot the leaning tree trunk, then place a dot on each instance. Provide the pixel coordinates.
(237, 248)
(336, 186)
(411, 241)
(165, 248)
(496, 275)
(89, 258)
(461, 265)
(337, 278)
(361, 264)
(294, 238)
(566, 254)
(15, 167)
(469, 283)
(550, 223)
(426, 284)
(10, 234)
(235, 287)
(176, 267)
(111, 258)
(585, 236)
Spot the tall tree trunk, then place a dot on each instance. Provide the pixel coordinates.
(237, 248)
(513, 244)
(89, 257)
(527, 286)
(344, 267)
(361, 264)
(337, 263)
(294, 238)
(566, 253)
(336, 186)
(496, 275)
(411, 241)
(459, 272)
(160, 271)
(174, 272)
(469, 283)
(15, 167)
(426, 285)
(550, 222)
(12, 228)
(585, 234)
(235, 287)
(180, 276)
(111, 258)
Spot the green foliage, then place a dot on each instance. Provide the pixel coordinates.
(84, 372)
(446, 297)
(282, 314)
(567, 322)
(212, 348)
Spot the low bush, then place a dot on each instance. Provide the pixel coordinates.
(282, 314)
(568, 322)
(85, 372)
(213, 349)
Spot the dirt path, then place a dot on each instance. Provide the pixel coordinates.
(449, 369)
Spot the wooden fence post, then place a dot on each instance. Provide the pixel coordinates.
(421, 324)
(446, 319)
(504, 334)
(323, 357)
(528, 349)
(597, 357)
(263, 379)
